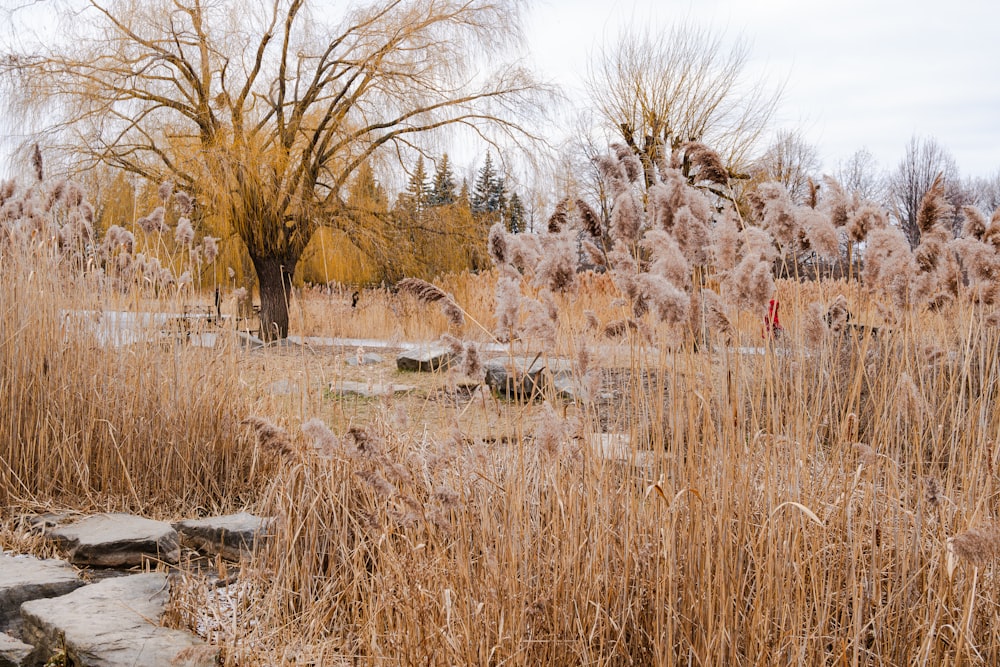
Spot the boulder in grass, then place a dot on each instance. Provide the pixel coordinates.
(424, 359)
(113, 623)
(523, 378)
(366, 359)
(117, 540)
(24, 578)
(369, 390)
(232, 536)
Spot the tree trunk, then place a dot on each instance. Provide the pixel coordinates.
(274, 279)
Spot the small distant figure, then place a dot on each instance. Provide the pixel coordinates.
(772, 325)
(218, 303)
(354, 299)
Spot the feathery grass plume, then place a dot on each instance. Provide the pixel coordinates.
(979, 260)
(183, 202)
(725, 242)
(978, 545)
(524, 250)
(757, 244)
(618, 328)
(836, 202)
(838, 315)
(378, 483)
(594, 254)
(209, 248)
(321, 437)
(889, 264)
(74, 194)
(812, 198)
(428, 293)
(559, 217)
(666, 258)
(593, 323)
(715, 315)
(630, 162)
(472, 361)
(165, 190)
(550, 431)
(270, 436)
(508, 305)
(934, 208)
(556, 268)
(821, 233)
(910, 404)
(992, 233)
(750, 286)
(778, 214)
(184, 233)
(36, 162)
(814, 328)
(454, 345)
(692, 236)
(975, 223)
(706, 163)
(7, 189)
(626, 218)
(589, 220)
(497, 244)
(670, 303)
(612, 171)
(539, 326)
(993, 319)
(865, 219)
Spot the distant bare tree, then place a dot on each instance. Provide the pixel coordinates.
(661, 90)
(264, 110)
(791, 161)
(984, 192)
(924, 160)
(861, 176)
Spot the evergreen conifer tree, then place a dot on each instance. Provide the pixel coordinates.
(443, 189)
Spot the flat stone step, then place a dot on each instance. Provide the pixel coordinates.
(24, 578)
(369, 390)
(13, 652)
(117, 540)
(113, 623)
(232, 536)
(424, 359)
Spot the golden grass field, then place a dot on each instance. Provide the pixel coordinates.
(822, 503)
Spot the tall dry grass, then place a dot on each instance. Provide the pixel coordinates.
(148, 426)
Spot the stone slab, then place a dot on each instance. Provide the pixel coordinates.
(117, 540)
(367, 390)
(114, 623)
(24, 578)
(232, 536)
(13, 652)
(424, 359)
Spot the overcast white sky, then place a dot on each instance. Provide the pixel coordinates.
(856, 73)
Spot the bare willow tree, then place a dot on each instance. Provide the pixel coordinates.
(661, 90)
(265, 109)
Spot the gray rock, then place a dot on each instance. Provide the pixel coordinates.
(117, 540)
(521, 378)
(367, 390)
(367, 359)
(113, 623)
(424, 359)
(14, 653)
(232, 536)
(283, 388)
(24, 578)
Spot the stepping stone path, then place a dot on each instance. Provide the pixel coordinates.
(424, 359)
(117, 540)
(45, 607)
(232, 536)
(113, 623)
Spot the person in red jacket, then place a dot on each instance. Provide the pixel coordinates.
(772, 325)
